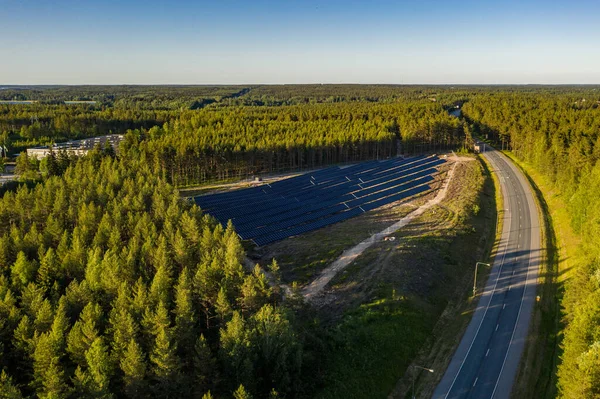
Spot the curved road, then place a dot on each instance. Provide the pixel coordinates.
(486, 361)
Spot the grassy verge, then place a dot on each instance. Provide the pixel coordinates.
(388, 304)
(439, 349)
(537, 371)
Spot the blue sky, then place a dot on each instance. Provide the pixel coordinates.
(289, 41)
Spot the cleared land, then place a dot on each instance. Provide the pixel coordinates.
(303, 257)
(381, 311)
(386, 305)
(348, 257)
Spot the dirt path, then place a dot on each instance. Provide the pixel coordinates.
(312, 291)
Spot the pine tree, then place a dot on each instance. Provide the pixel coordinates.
(165, 363)
(49, 270)
(124, 328)
(7, 256)
(185, 318)
(84, 333)
(255, 291)
(236, 350)
(7, 389)
(181, 250)
(234, 254)
(23, 335)
(23, 270)
(275, 272)
(44, 317)
(48, 375)
(204, 366)
(60, 324)
(133, 365)
(241, 393)
(139, 303)
(277, 349)
(99, 369)
(54, 383)
(161, 283)
(222, 306)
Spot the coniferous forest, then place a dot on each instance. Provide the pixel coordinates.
(112, 285)
(559, 134)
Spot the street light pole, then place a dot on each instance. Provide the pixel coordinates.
(475, 278)
(414, 366)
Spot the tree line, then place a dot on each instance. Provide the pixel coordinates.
(237, 142)
(217, 143)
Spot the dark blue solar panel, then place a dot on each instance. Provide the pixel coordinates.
(262, 240)
(306, 202)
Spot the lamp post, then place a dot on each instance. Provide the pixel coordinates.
(475, 278)
(414, 366)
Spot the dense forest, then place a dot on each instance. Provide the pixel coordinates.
(560, 136)
(113, 286)
(203, 140)
(110, 284)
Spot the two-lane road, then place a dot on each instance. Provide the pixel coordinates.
(486, 361)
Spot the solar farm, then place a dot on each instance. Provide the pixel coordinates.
(293, 206)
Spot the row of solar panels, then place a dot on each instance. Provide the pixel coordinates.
(335, 218)
(301, 182)
(350, 183)
(307, 202)
(261, 227)
(242, 215)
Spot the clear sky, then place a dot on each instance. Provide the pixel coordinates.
(304, 41)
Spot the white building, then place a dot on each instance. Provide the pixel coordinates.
(76, 147)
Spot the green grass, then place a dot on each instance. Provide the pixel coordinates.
(537, 378)
(376, 342)
(394, 295)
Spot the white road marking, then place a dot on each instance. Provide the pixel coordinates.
(487, 353)
(497, 325)
(486, 309)
(503, 306)
(475, 381)
(514, 328)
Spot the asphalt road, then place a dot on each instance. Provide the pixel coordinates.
(486, 361)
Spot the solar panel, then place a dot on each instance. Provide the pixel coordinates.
(306, 202)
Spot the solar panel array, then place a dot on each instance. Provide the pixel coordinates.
(272, 212)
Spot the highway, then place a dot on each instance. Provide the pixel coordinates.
(486, 361)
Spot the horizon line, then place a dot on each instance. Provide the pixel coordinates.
(4, 86)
